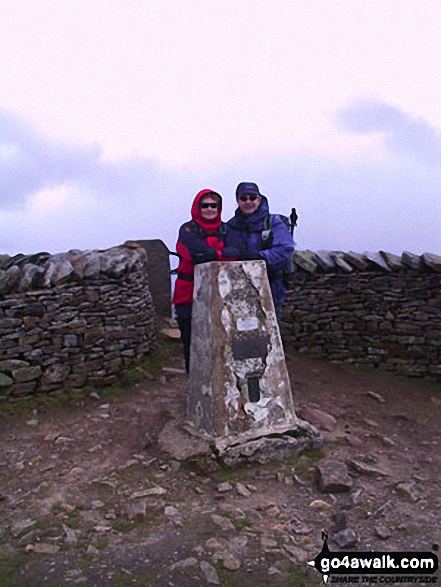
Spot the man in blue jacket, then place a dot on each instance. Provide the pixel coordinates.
(259, 235)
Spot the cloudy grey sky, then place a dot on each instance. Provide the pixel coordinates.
(113, 116)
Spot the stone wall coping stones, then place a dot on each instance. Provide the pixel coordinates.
(346, 262)
(30, 273)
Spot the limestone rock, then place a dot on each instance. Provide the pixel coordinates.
(39, 258)
(324, 260)
(184, 563)
(296, 554)
(230, 562)
(4, 259)
(223, 523)
(346, 538)
(333, 477)
(171, 512)
(411, 260)
(137, 510)
(32, 276)
(77, 260)
(71, 535)
(173, 333)
(305, 260)
(26, 374)
(9, 279)
(114, 261)
(55, 374)
(339, 259)
(58, 271)
(180, 444)
(152, 491)
(214, 544)
(408, 490)
(376, 396)
(224, 487)
(319, 504)
(356, 260)
(266, 449)
(432, 261)
(91, 264)
(242, 490)
(267, 543)
(318, 418)
(377, 260)
(393, 261)
(209, 573)
(5, 380)
(19, 259)
(382, 532)
(43, 548)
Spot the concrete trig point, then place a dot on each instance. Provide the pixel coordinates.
(239, 391)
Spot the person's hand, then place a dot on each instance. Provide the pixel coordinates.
(250, 257)
(199, 258)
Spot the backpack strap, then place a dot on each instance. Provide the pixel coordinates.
(266, 235)
(220, 233)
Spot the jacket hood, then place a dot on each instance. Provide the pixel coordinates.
(196, 211)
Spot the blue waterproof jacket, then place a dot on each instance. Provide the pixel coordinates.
(245, 234)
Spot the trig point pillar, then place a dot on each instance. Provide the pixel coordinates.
(239, 387)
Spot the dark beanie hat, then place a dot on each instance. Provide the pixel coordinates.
(247, 187)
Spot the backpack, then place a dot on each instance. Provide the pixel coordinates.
(267, 239)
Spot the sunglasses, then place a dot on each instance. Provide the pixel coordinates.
(209, 205)
(253, 198)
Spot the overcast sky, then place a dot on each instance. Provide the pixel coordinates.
(115, 113)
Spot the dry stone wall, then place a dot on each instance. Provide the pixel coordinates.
(73, 319)
(378, 310)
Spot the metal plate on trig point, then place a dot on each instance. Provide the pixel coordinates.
(250, 348)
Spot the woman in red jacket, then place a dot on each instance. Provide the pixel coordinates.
(201, 240)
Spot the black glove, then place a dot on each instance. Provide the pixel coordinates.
(199, 258)
(250, 257)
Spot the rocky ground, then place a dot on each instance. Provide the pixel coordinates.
(89, 496)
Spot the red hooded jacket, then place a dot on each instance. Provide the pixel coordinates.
(199, 241)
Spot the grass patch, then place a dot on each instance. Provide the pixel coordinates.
(428, 384)
(132, 375)
(122, 525)
(11, 571)
(178, 496)
(241, 523)
(305, 461)
(101, 544)
(110, 392)
(432, 385)
(165, 355)
(228, 578)
(49, 527)
(43, 403)
(297, 577)
(225, 473)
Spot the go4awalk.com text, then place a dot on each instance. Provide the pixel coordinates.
(376, 567)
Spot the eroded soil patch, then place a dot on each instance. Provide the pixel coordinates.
(87, 497)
